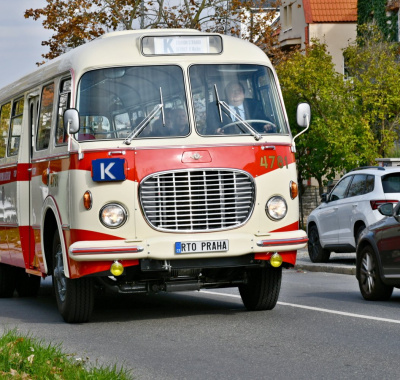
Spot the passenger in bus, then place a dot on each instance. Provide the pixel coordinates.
(246, 108)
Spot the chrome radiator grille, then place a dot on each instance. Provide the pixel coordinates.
(197, 200)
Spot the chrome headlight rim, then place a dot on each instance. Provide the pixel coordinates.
(269, 204)
(118, 206)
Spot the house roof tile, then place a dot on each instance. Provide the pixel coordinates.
(317, 11)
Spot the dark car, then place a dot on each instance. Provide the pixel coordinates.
(378, 255)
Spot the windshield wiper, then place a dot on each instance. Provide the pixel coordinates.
(228, 111)
(145, 122)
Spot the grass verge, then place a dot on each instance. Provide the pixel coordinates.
(26, 358)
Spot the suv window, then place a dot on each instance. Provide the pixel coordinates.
(370, 184)
(361, 184)
(339, 192)
(391, 183)
(357, 186)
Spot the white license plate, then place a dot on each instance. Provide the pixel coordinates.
(202, 246)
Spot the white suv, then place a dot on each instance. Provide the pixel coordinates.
(336, 224)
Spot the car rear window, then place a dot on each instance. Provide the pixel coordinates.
(391, 183)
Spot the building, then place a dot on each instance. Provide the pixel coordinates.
(333, 22)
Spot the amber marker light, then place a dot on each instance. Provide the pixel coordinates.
(87, 200)
(294, 189)
(276, 260)
(116, 268)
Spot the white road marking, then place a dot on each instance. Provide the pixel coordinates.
(315, 309)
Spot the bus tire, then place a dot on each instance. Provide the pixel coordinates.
(7, 281)
(27, 285)
(261, 291)
(75, 298)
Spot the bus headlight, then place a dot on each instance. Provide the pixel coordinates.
(113, 215)
(276, 208)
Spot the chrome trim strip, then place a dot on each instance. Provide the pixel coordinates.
(106, 250)
(9, 225)
(50, 158)
(275, 242)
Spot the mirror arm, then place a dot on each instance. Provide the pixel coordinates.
(72, 138)
(300, 133)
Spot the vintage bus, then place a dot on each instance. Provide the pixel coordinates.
(123, 167)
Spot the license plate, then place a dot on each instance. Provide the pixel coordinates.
(202, 246)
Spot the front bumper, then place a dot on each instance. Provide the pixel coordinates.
(162, 247)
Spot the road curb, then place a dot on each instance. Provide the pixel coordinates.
(332, 268)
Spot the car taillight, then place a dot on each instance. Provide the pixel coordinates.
(376, 204)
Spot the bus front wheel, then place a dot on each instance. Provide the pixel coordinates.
(261, 291)
(75, 298)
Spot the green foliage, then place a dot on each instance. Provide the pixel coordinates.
(373, 67)
(377, 12)
(26, 358)
(338, 137)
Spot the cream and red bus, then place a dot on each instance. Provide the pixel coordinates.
(118, 173)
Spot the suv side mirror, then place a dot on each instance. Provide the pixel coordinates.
(386, 209)
(324, 197)
(71, 120)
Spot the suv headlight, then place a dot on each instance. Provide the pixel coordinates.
(113, 215)
(276, 208)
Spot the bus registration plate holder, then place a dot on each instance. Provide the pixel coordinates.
(201, 246)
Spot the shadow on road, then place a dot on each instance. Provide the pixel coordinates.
(110, 307)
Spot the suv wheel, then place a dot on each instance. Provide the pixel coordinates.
(369, 280)
(316, 252)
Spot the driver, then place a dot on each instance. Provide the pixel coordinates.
(246, 108)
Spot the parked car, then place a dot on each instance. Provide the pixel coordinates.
(336, 224)
(378, 256)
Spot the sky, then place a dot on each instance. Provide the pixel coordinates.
(20, 39)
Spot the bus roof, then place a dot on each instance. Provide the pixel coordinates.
(123, 48)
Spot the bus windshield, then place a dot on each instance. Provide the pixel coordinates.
(119, 102)
(236, 99)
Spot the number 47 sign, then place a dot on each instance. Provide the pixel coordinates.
(108, 169)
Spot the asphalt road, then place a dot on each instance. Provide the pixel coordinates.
(320, 329)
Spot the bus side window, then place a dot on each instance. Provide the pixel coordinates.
(63, 104)
(5, 116)
(16, 127)
(46, 116)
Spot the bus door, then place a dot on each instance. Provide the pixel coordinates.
(34, 224)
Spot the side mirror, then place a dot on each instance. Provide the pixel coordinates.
(303, 115)
(303, 120)
(386, 209)
(324, 198)
(71, 121)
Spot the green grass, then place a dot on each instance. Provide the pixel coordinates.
(26, 358)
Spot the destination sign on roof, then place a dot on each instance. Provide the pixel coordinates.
(176, 45)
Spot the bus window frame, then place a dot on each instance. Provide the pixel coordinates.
(7, 130)
(60, 119)
(13, 117)
(38, 126)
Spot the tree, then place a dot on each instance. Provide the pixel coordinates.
(78, 21)
(383, 13)
(338, 138)
(374, 71)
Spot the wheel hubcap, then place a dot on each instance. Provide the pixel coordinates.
(367, 273)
